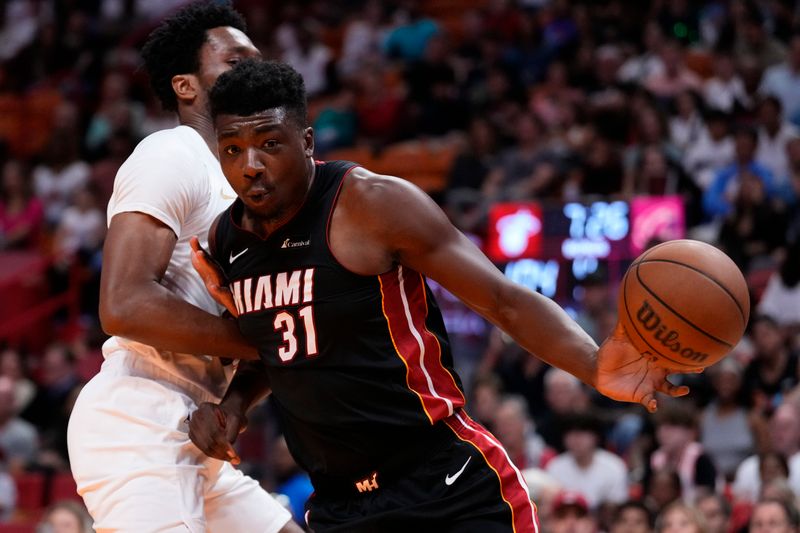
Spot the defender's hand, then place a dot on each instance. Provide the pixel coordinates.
(626, 375)
(214, 429)
(212, 277)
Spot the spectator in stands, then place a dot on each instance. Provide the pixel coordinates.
(784, 439)
(115, 111)
(409, 39)
(774, 516)
(781, 298)
(516, 431)
(19, 441)
(598, 474)
(50, 408)
(12, 365)
(62, 173)
(549, 99)
(783, 81)
(118, 147)
(773, 471)
(654, 175)
(81, 229)
(774, 133)
(485, 398)
(716, 511)
(632, 517)
(649, 130)
(686, 124)
(65, 517)
(718, 199)
(712, 151)
(476, 157)
(754, 40)
(380, 108)
(773, 371)
(522, 172)
(676, 77)
(680, 518)
(21, 213)
(564, 395)
(649, 63)
(753, 233)
(362, 41)
(725, 91)
(310, 57)
(596, 298)
(728, 432)
(679, 450)
(432, 91)
(336, 124)
(570, 514)
(778, 489)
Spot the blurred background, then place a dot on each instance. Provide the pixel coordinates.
(564, 137)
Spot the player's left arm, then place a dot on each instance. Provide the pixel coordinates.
(410, 229)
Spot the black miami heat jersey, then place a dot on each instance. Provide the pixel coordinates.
(360, 366)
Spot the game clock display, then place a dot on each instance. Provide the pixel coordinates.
(551, 247)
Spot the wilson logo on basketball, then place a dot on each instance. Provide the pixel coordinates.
(669, 338)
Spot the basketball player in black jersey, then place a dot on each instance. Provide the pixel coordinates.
(324, 264)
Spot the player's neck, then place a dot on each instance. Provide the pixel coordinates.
(202, 124)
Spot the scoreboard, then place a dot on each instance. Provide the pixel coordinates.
(550, 247)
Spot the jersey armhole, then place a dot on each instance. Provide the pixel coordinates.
(334, 203)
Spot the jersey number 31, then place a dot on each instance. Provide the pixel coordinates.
(285, 322)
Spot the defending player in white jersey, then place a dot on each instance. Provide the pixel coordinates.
(130, 453)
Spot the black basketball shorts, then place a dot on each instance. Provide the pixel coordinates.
(468, 485)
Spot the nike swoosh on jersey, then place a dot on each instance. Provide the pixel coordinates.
(237, 256)
(225, 196)
(449, 480)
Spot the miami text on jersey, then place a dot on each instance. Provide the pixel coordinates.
(273, 290)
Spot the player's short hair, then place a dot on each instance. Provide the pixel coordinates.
(173, 48)
(256, 85)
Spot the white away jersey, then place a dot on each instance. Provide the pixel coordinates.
(173, 177)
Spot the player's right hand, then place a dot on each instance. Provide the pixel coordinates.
(214, 428)
(212, 277)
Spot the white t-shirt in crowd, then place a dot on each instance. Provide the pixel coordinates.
(747, 483)
(173, 177)
(605, 480)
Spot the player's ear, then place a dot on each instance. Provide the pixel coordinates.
(185, 87)
(308, 140)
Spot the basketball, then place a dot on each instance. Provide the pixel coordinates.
(684, 303)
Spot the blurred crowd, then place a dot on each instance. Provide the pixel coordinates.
(550, 100)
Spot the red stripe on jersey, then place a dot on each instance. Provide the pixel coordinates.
(405, 310)
(418, 304)
(513, 488)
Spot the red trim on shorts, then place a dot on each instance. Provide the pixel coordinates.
(513, 488)
(405, 309)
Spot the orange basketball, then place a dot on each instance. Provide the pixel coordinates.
(684, 303)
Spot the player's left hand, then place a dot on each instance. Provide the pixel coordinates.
(212, 277)
(626, 375)
(214, 429)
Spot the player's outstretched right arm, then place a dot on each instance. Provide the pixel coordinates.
(134, 304)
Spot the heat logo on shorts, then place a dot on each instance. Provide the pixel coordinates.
(669, 338)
